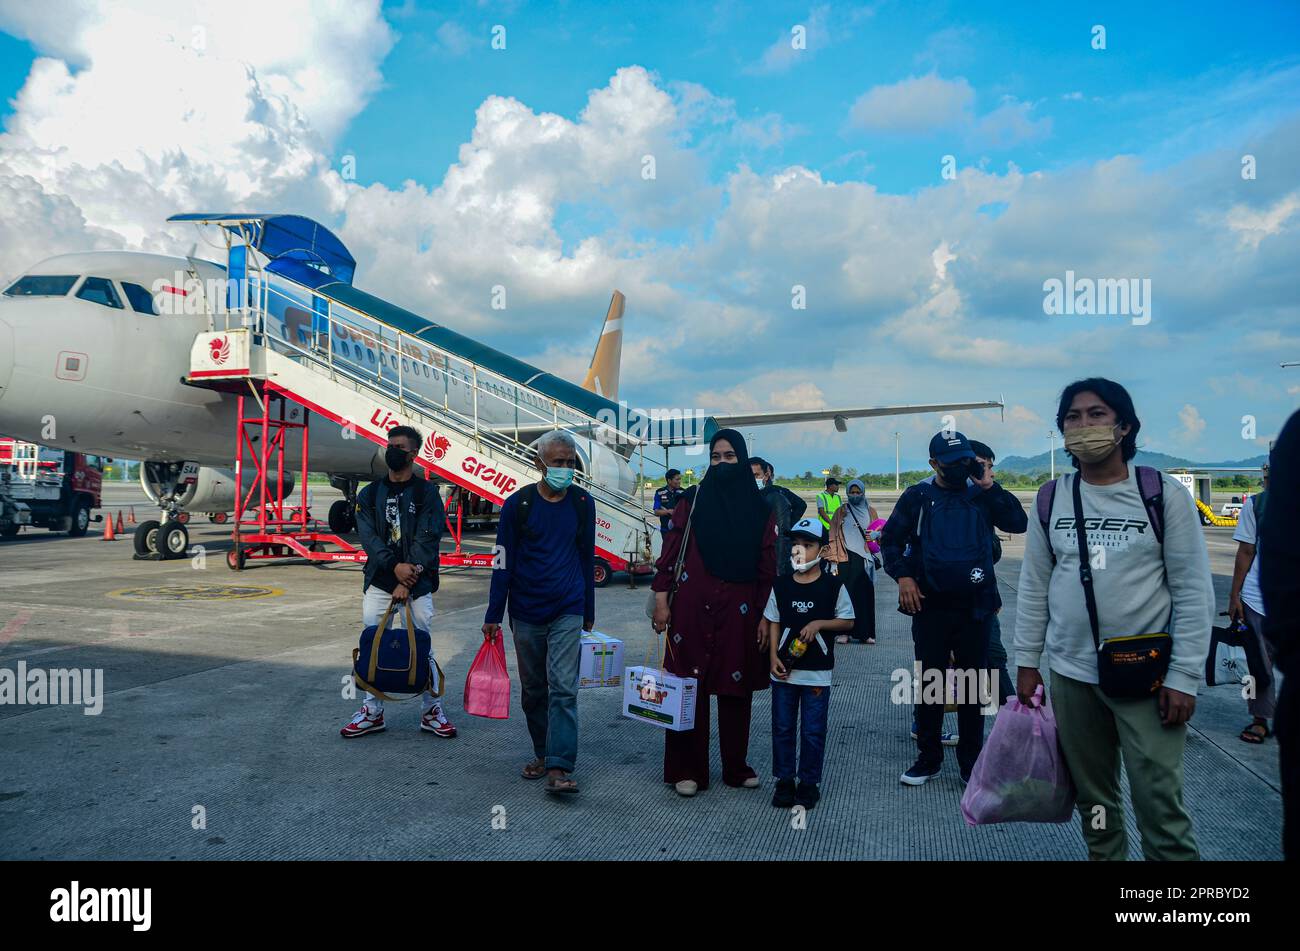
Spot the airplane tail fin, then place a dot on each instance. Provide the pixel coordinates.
(602, 375)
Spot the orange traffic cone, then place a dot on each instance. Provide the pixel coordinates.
(120, 527)
(130, 518)
(108, 530)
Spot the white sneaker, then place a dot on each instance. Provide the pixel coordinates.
(435, 721)
(687, 787)
(364, 721)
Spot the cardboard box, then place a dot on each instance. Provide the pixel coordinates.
(601, 663)
(659, 698)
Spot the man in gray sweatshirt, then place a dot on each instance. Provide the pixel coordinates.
(1141, 586)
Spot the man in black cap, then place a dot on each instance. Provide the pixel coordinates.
(938, 546)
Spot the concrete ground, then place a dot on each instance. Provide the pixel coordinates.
(218, 737)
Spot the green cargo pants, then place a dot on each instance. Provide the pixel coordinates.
(1094, 730)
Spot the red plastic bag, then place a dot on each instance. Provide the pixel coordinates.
(487, 688)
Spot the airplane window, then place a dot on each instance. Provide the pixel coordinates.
(140, 298)
(370, 355)
(405, 367)
(426, 370)
(99, 290)
(42, 285)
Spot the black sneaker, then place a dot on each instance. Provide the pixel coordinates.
(807, 795)
(919, 774)
(784, 797)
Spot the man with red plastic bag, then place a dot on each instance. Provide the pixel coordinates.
(544, 574)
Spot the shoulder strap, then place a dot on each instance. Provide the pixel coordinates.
(1085, 562)
(1152, 489)
(526, 496)
(578, 499)
(1043, 504)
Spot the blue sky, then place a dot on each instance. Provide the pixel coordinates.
(819, 167)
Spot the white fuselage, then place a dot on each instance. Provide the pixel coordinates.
(79, 374)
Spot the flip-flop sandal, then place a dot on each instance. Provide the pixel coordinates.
(842, 639)
(1253, 735)
(562, 786)
(534, 770)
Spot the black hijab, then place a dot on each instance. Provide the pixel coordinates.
(728, 516)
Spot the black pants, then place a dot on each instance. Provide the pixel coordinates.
(862, 592)
(1286, 726)
(937, 632)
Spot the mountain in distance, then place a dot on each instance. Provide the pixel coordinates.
(1030, 465)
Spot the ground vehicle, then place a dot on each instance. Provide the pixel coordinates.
(47, 488)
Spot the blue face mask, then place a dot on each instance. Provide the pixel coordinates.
(559, 479)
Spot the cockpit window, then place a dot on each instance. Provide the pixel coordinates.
(140, 298)
(100, 290)
(42, 285)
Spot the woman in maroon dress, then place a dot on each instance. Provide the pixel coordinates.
(713, 633)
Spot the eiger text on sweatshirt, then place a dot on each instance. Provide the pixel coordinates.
(1140, 589)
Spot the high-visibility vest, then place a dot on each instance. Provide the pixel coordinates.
(828, 502)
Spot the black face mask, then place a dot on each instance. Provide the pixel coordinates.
(396, 459)
(955, 475)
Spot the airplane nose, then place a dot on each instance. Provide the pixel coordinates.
(6, 357)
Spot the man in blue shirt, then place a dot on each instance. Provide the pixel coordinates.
(545, 577)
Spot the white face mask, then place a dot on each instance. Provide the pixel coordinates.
(802, 566)
(761, 483)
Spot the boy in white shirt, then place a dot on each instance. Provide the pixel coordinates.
(804, 611)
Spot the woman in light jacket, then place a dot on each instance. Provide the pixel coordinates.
(853, 559)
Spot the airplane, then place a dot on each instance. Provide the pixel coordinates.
(95, 349)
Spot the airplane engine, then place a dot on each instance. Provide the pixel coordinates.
(606, 467)
(212, 489)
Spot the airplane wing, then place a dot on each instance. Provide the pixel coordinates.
(839, 416)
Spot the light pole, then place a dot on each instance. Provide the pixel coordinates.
(1051, 451)
(897, 437)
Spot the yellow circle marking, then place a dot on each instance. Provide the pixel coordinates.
(196, 592)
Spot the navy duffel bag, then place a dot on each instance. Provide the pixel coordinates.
(394, 659)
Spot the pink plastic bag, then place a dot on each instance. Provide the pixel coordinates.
(877, 525)
(487, 688)
(1020, 775)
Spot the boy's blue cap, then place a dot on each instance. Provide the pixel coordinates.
(950, 446)
(809, 528)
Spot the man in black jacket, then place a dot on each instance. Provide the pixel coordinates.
(949, 600)
(780, 506)
(1279, 582)
(400, 519)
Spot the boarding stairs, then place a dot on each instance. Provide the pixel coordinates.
(273, 363)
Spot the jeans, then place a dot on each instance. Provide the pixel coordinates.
(795, 706)
(373, 605)
(937, 632)
(1265, 704)
(998, 661)
(549, 656)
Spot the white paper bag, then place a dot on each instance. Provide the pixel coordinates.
(659, 698)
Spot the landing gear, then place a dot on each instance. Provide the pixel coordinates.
(155, 541)
(342, 517)
(218, 518)
(173, 539)
(146, 538)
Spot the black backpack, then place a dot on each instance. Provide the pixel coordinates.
(956, 541)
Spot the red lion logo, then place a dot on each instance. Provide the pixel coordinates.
(219, 350)
(436, 446)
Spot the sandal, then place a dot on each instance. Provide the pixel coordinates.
(842, 639)
(561, 785)
(1256, 733)
(534, 770)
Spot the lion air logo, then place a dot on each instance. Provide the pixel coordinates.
(219, 350)
(435, 446)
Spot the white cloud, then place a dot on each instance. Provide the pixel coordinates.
(1192, 425)
(454, 39)
(916, 104)
(1252, 225)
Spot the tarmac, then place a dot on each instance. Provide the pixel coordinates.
(218, 736)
